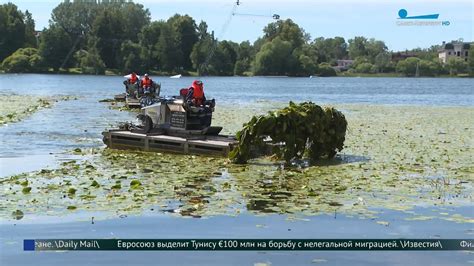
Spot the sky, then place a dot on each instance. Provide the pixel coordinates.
(327, 18)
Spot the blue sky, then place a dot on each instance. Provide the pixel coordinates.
(327, 18)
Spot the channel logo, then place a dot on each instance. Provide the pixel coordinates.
(419, 20)
(403, 14)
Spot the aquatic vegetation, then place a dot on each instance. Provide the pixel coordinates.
(122, 107)
(17, 215)
(394, 158)
(95, 184)
(306, 129)
(16, 107)
(108, 101)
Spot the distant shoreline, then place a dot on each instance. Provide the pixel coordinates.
(193, 74)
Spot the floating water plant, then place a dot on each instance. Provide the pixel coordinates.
(14, 108)
(135, 184)
(296, 131)
(385, 165)
(17, 215)
(95, 184)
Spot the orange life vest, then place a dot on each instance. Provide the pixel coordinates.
(146, 82)
(198, 94)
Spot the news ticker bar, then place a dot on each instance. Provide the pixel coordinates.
(247, 244)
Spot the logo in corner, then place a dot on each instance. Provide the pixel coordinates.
(419, 20)
(403, 14)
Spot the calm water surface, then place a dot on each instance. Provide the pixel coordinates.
(232, 90)
(79, 123)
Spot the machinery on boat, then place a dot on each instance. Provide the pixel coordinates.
(135, 96)
(172, 124)
(174, 117)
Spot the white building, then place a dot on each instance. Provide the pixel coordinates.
(454, 49)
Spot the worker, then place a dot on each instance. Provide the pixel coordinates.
(146, 85)
(146, 82)
(131, 80)
(196, 94)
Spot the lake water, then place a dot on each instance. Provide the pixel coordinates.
(47, 136)
(72, 124)
(237, 90)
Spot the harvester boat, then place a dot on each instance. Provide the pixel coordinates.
(172, 125)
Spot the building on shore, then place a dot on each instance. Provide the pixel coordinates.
(343, 65)
(458, 49)
(402, 56)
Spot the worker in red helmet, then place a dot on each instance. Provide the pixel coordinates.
(196, 93)
(133, 78)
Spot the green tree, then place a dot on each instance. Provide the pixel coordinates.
(131, 61)
(307, 66)
(425, 53)
(365, 68)
(340, 48)
(357, 47)
(357, 61)
(91, 63)
(202, 48)
(257, 45)
(186, 37)
(245, 54)
(90, 60)
(30, 38)
(166, 52)
(456, 65)
(286, 30)
(134, 16)
(54, 47)
(325, 70)
(274, 58)
(23, 60)
(223, 61)
(382, 61)
(408, 66)
(283, 50)
(429, 68)
(12, 28)
(374, 48)
(306, 61)
(148, 38)
(75, 18)
(331, 49)
(111, 21)
(108, 28)
(241, 66)
(471, 59)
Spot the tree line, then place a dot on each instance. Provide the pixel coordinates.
(118, 35)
